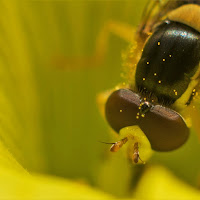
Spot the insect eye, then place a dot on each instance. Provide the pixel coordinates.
(165, 128)
(122, 108)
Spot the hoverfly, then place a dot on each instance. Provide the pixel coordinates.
(151, 110)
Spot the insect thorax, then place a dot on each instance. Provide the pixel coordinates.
(169, 60)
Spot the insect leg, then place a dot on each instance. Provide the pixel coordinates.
(136, 156)
(123, 31)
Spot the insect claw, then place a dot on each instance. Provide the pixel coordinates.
(143, 162)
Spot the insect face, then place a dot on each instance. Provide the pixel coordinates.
(162, 81)
(165, 129)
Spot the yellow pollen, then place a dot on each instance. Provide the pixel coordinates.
(170, 55)
(158, 43)
(176, 93)
(145, 98)
(194, 90)
(120, 111)
(174, 90)
(138, 113)
(159, 81)
(143, 79)
(139, 107)
(155, 74)
(137, 117)
(123, 83)
(147, 63)
(163, 60)
(149, 33)
(142, 115)
(152, 100)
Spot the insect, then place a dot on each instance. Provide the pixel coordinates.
(151, 111)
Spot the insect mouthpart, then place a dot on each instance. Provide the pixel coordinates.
(145, 107)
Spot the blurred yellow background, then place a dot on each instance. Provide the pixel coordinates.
(50, 121)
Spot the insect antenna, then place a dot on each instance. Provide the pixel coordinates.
(107, 142)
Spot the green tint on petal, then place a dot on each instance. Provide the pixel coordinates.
(8, 162)
(19, 106)
(50, 120)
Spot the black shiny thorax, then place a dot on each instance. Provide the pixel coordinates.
(170, 58)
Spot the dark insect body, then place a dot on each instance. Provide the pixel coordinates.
(164, 79)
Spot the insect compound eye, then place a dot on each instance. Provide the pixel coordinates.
(165, 128)
(122, 108)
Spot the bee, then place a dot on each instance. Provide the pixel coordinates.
(151, 111)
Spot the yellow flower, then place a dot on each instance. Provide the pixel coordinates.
(49, 121)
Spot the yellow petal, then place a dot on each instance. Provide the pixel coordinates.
(15, 185)
(157, 183)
